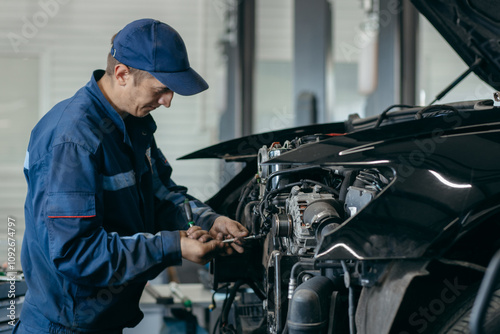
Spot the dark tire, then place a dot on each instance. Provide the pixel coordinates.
(442, 302)
(458, 323)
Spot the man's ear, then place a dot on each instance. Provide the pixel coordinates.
(122, 74)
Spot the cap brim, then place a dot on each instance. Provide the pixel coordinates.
(183, 83)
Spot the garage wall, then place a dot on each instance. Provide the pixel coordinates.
(56, 44)
(274, 105)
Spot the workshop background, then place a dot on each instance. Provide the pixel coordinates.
(49, 48)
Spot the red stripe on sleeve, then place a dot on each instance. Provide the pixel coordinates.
(72, 216)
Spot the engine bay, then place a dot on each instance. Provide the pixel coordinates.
(353, 224)
(288, 210)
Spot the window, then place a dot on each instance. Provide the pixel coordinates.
(439, 65)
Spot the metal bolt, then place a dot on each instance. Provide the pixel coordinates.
(496, 96)
(496, 99)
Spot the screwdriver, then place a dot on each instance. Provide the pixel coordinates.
(189, 212)
(253, 236)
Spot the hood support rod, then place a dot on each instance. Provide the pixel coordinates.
(457, 80)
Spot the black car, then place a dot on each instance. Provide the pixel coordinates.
(388, 224)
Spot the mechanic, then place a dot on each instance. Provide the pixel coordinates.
(102, 213)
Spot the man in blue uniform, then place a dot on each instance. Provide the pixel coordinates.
(102, 214)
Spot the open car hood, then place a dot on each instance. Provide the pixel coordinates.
(472, 28)
(241, 149)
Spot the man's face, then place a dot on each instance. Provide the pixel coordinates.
(142, 98)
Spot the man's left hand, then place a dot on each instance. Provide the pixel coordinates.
(226, 228)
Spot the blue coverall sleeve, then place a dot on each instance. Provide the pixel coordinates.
(79, 247)
(170, 199)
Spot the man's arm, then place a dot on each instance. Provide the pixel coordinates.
(172, 213)
(79, 247)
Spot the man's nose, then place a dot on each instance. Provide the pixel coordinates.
(166, 99)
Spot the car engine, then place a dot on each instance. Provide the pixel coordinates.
(288, 210)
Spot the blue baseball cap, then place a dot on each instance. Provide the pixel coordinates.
(156, 47)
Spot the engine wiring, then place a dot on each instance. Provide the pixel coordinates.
(223, 319)
(351, 309)
(217, 322)
(372, 178)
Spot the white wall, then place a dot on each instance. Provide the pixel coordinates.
(68, 39)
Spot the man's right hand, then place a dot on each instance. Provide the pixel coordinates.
(197, 251)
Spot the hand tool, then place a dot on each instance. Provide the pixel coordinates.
(253, 236)
(189, 212)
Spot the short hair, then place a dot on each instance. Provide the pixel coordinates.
(138, 75)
